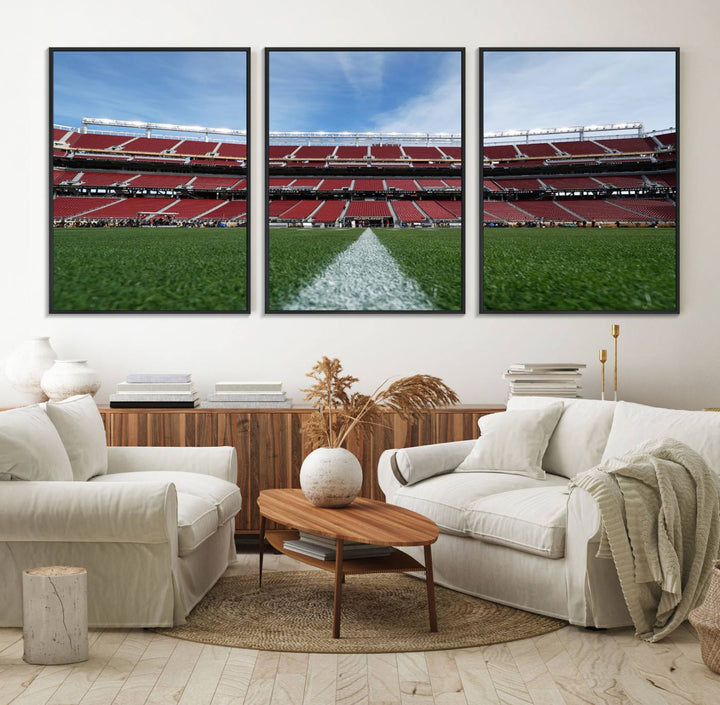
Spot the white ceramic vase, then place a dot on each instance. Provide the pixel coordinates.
(66, 378)
(25, 366)
(331, 477)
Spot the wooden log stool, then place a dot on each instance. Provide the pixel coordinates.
(55, 625)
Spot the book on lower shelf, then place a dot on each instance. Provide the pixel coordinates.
(325, 551)
(326, 540)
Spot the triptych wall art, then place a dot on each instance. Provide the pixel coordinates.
(150, 189)
(365, 180)
(579, 187)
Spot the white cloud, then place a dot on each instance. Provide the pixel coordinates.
(362, 70)
(525, 90)
(438, 109)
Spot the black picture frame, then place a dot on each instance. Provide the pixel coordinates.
(542, 283)
(193, 265)
(318, 168)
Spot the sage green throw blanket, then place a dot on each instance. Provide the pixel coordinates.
(660, 524)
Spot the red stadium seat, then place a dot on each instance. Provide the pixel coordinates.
(329, 212)
(386, 151)
(72, 207)
(368, 209)
(151, 145)
(408, 212)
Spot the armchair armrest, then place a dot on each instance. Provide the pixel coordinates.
(88, 512)
(406, 466)
(219, 462)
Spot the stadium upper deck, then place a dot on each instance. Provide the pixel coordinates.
(620, 179)
(105, 177)
(72, 143)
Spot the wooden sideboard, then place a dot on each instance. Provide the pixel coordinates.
(270, 443)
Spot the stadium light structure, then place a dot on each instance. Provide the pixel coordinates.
(320, 137)
(162, 126)
(579, 130)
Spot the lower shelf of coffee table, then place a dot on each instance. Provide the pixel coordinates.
(396, 562)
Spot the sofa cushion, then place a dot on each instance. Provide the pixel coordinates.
(197, 521)
(223, 495)
(513, 442)
(79, 424)
(30, 447)
(532, 520)
(580, 437)
(634, 424)
(446, 499)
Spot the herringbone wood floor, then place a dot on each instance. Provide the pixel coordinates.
(570, 666)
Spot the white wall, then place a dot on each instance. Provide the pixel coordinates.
(664, 359)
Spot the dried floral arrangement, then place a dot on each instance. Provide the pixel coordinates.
(338, 410)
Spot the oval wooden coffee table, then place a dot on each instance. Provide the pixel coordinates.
(366, 521)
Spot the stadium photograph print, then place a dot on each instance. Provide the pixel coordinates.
(364, 180)
(579, 180)
(149, 180)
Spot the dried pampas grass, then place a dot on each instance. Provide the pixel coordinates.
(338, 410)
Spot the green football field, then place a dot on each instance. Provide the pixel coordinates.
(430, 256)
(579, 269)
(149, 269)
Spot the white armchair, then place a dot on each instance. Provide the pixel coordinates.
(154, 532)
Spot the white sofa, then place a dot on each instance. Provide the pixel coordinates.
(154, 527)
(529, 542)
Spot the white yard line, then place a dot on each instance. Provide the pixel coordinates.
(364, 277)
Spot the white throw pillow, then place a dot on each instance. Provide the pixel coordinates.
(80, 426)
(513, 442)
(30, 447)
(634, 424)
(579, 439)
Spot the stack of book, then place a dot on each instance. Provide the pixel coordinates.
(544, 379)
(323, 548)
(247, 395)
(155, 391)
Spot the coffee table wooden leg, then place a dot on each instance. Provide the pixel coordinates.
(261, 549)
(337, 597)
(429, 580)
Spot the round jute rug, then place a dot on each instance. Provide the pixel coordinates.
(380, 613)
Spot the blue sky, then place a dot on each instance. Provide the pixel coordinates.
(526, 90)
(365, 91)
(205, 88)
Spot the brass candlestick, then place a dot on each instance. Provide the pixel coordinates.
(603, 360)
(615, 330)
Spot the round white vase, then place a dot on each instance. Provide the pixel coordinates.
(26, 365)
(331, 477)
(66, 378)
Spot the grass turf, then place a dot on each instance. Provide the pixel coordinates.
(432, 257)
(149, 269)
(298, 255)
(568, 269)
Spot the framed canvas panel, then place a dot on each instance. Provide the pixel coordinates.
(364, 149)
(579, 180)
(149, 192)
